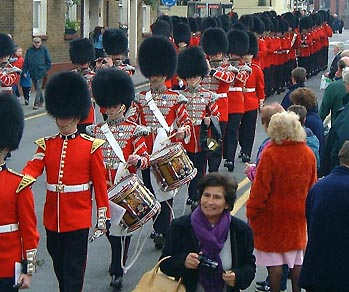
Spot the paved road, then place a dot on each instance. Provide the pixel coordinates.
(97, 278)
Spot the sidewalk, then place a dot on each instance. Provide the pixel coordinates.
(138, 80)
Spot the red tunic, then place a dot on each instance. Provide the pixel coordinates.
(70, 161)
(219, 83)
(254, 88)
(306, 42)
(171, 104)
(128, 135)
(262, 51)
(7, 80)
(201, 103)
(17, 207)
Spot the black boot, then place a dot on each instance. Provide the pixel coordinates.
(230, 165)
(116, 283)
(159, 241)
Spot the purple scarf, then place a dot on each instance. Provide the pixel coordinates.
(211, 241)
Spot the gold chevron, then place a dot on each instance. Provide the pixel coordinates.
(41, 143)
(26, 181)
(96, 144)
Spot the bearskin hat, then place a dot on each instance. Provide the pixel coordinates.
(7, 45)
(167, 19)
(11, 121)
(67, 96)
(275, 22)
(239, 26)
(115, 42)
(81, 51)
(112, 87)
(267, 23)
(194, 27)
(157, 57)
(283, 24)
(259, 26)
(238, 42)
(226, 23)
(253, 44)
(214, 41)
(208, 22)
(291, 19)
(248, 21)
(181, 33)
(161, 28)
(192, 63)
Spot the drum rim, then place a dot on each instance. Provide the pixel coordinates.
(172, 145)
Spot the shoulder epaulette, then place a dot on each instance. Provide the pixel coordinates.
(41, 143)
(182, 98)
(141, 131)
(87, 137)
(96, 143)
(26, 180)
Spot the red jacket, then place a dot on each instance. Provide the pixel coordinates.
(8, 79)
(17, 207)
(262, 51)
(171, 104)
(254, 88)
(276, 205)
(201, 103)
(71, 161)
(236, 103)
(306, 42)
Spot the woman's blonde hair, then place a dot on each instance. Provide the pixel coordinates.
(286, 126)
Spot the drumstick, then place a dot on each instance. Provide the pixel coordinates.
(134, 152)
(174, 134)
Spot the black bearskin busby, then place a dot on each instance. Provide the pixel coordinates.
(115, 42)
(225, 21)
(11, 122)
(181, 33)
(157, 57)
(192, 63)
(67, 96)
(194, 27)
(238, 42)
(248, 21)
(111, 87)
(259, 26)
(7, 45)
(161, 28)
(253, 44)
(81, 51)
(208, 22)
(214, 41)
(239, 26)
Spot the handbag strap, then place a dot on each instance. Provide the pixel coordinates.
(157, 266)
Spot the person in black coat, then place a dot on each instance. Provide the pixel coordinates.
(298, 77)
(211, 232)
(325, 265)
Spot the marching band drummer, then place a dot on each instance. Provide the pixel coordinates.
(113, 90)
(81, 53)
(71, 161)
(19, 236)
(201, 106)
(9, 75)
(159, 108)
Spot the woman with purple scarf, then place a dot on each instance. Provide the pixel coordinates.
(211, 250)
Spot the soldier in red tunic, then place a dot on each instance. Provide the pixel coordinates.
(157, 60)
(82, 53)
(9, 75)
(113, 89)
(72, 162)
(215, 44)
(19, 237)
(201, 106)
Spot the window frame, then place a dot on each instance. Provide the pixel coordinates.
(42, 19)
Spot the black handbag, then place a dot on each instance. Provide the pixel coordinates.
(211, 141)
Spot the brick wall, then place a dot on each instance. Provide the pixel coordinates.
(23, 23)
(113, 14)
(6, 16)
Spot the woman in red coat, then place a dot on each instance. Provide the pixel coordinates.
(276, 207)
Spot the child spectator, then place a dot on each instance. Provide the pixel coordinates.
(298, 77)
(17, 61)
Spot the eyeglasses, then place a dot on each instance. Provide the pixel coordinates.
(37, 42)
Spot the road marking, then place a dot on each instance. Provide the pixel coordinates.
(35, 116)
(241, 201)
(244, 182)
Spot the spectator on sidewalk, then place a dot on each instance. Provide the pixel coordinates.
(17, 61)
(337, 50)
(37, 62)
(298, 77)
(97, 38)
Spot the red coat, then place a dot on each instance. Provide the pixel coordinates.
(8, 79)
(306, 42)
(127, 135)
(236, 103)
(201, 103)
(76, 160)
(171, 104)
(254, 82)
(219, 83)
(262, 51)
(276, 207)
(17, 207)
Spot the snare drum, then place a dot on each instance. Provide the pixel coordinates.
(139, 202)
(172, 167)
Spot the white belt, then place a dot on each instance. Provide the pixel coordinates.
(249, 90)
(221, 95)
(5, 89)
(8, 228)
(235, 89)
(68, 189)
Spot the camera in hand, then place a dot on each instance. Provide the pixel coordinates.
(208, 263)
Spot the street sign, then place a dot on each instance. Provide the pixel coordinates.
(169, 3)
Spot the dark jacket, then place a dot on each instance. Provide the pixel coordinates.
(326, 257)
(37, 62)
(181, 241)
(314, 123)
(286, 102)
(334, 65)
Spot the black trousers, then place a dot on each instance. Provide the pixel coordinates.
(320, 290)
(6, 285)
(115, 243)
(162, 223)
(199, 161)
(231, 137)
(68, 251)
(247, 131)
(214, 159)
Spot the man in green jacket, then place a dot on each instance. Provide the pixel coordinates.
(335, 93)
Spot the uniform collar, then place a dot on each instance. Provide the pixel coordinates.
(3, 166)
(71, 136)
(116, 122)
(161, 89)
